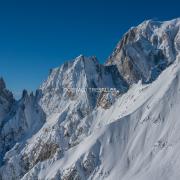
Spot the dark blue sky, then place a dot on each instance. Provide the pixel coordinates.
(36, 35)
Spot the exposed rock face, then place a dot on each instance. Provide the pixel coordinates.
(146, 50)
(94, 121)
(107, 99)
(6, 100)
(6, 104)
(2, 84)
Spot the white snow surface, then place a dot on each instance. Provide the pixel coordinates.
(137, 138)
(66, 131)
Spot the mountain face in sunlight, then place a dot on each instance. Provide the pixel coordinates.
(118, 120)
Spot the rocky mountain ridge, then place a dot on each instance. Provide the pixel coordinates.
(94, 121)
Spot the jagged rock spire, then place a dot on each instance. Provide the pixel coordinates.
(2, 83)
(24, 93)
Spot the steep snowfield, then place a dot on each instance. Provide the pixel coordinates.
(91, 121)
(141, 144)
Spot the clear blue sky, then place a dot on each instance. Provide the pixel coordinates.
(36, 35)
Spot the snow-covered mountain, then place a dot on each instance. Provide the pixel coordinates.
(92, 121)
(146, 50)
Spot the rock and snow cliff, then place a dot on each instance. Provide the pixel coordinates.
(92, 121)
(146, 50)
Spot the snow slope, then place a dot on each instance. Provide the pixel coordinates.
(91, 121)
(141, 144)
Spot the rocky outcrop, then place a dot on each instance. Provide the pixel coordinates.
(146, 50)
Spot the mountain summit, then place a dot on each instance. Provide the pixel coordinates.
(118, 120)
(146, 50)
